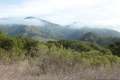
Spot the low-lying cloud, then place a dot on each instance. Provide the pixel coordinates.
(104, 12)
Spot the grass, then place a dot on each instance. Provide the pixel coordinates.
(24, 70)
(27, 59)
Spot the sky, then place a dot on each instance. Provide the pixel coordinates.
(99, 12)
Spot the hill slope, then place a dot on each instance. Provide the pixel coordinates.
(44, 30)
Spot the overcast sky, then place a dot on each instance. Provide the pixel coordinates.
(103, 12)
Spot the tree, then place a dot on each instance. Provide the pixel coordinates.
(6, 44)
(115, 48)
(31, 46)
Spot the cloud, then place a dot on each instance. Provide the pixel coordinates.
(66, 11)
(48, 6)
(38, 7)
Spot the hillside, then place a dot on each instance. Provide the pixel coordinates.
(40, 29)
(25, 58)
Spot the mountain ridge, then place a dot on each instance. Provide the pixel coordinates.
(50, 31)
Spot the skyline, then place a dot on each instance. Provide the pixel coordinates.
(99, 12)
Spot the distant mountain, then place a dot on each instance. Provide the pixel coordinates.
(29, 17)
(101, 32)
(40, 29)
(94, 38)
(95, 35)
(33, 27)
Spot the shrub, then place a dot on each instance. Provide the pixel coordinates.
(31, 46)
(6, 43)
(115, 48)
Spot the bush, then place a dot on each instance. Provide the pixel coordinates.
(31, 46)
(115, 48)
(6, 44)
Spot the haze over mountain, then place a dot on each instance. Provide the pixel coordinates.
(61, 11)
(31, 20)
(40, 29)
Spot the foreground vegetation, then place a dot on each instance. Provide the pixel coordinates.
(60, 57)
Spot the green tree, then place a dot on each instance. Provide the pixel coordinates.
(115, 48)
(6, 43)
(31, 46)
